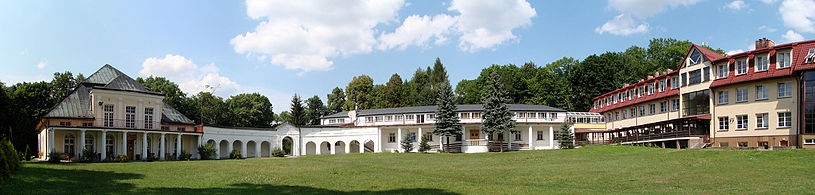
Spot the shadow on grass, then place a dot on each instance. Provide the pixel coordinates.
(36, 180)
(245, 188)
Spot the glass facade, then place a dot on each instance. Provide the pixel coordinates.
(809, 102)
(697, 102)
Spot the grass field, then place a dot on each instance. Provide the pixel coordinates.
(598, 169)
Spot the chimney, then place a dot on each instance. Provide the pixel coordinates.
(668, 70)
(650, 77)
(656, 74)
(764, 43)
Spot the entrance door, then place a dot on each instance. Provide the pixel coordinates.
(473, 134)
(420, 118)
(130, 146)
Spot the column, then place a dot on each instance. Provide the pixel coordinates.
(104, 146)
(243, 149)
(51, 141)
(258, 152)
(178, 145)
(378, 142)
(347, 147)
(144, 153)
(551, 137)
(162, 149)
(509, 140)
(419, 137)
(124, 142)
(319, 148)
(677, 145)
(81, 141)
(229, 149)
(218, 150)
(531, 138)
(399, 139)
(332, 147)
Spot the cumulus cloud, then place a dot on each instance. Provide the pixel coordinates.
(632, 10)
(732, 52)
(418, 30)
(792, 36)
(622, 25)
(190, 77)
(486, 23)
(798, 14)
(736, 5)
(41, 65)
(769, 1)
(767, 28)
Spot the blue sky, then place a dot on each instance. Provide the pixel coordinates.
(277, 48)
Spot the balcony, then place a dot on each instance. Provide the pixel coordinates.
(124, 124)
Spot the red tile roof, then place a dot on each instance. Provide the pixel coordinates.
(657, 95)
(799, 49)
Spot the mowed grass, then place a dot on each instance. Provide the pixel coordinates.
(587, 170)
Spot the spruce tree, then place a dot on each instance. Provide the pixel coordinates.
(407, 143)
(447, 123)
(497, 118)
(298, 111)
(565, 137)
(423, 146)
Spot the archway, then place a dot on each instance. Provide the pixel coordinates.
(325, 148)
(369, 146)
(339, 147)
(354, 147)
(265, 149)
(287, 144)
(224, 149)
(238, 146)
(311, 148)
(251, 148)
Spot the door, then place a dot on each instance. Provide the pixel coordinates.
(130, 146)
(420, 118)
(474, 134)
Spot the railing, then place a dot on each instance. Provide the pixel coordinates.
(119, 124)
(476, 142)
(643, 136)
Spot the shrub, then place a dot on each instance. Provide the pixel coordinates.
(565, 137)
(235, 154)
(5, 172)
(423, 146)
(122, 158)
(53, 157)
(88, 155)
(277, 152)
(184, 156)
(151, 158)
(207, 151)
(407, 143)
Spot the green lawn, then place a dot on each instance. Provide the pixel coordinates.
(599, 169)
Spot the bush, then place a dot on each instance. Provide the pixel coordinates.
(53, 157)
(122, 158)
(184, 156)
(235, 154)
(277, 152)
(88, 155)
(11, 157)
(207, 151)
(423, 146)
(407, 143)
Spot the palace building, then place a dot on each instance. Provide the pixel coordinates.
(754, 99)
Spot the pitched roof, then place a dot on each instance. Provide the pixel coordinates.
(78, 103)
(430, 109)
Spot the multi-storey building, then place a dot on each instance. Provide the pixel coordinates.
(754, 99)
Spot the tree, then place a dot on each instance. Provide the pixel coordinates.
(565, 137)
(418, 89)
(438, 77)
(358, 93)
(173, 96)
(212, 108)
(250, 110)
(316, 109)
(298, 113)
(447, 123)
(497, 118)
(336, 100)
(407, 143)
(394, 95)
(63, 84)
(285, 116)
(423, 146)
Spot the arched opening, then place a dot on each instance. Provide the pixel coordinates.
(287, 144)
(340, 147)
(89, 142)
(224, 149)
(311, 148)
(354, 147)
(265, 149)
(325, 148)
(237, 146)
(109, 149)
(68, 144)
(251, 146)
(369, 146)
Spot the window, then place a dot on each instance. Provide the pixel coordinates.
(458, 137)
(517, 136)
(641, 91)
(642, 110)
(466, 115)
(741, 122)
(89, 142)
(724, 123)
(784, 119)
(617, 115)
(742, 144)
(109, 143)
(412, 136)
(476, 115)
(663, 107)
(783, 60)
(389, 118)
(108, 116)
(694, 77)
(674, 104)
(428, 136)
(391, 137)
(130, 117)
(684, 79)
(785, 90)
(741, 67)
(809, 141)
(409, 117)
(650, 88)
(87, 124)
(399, 117)
(741, 94)
(342, 120)
(761, 121)
(633, 112)
(332, 121)
(181, 129)
(662, 85)
(724, 144)
(369, 119)
(697, 102)
(624, 114)
(64, 123)
(378, 118)
(707, 73)
(674, 82)
(165, 128)
(540, 135)
(652, 108)
(761, 92)
(553, 115)
(528, 115)
(632, 94)
(723, 71)
(723, 99)
(762, 63)
(148, 118)
(68, 144)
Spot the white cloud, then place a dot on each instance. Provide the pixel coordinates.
(792, 36)
(41, 65)
(736, 5)
(622, 25)
(303, 35)
(731, 52)
(767, 28)
(190, 78)
(798, 14)
(486, 23)
(418, 30)
(769, 1)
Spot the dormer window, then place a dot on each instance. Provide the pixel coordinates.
(762, 63)
(696, 57)
(741, 67)
(783, 60)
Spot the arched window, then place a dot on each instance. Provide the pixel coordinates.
(109, 143)
(68, 144)
(89, 142)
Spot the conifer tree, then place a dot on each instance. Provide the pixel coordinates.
(447, 123)
(298, 111)
(423, 146)
(565, 137)
(497, 118)
(407, 143)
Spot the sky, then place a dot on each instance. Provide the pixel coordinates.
(279, 48)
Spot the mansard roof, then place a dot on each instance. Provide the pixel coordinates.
(432, 109)
(78, 103)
